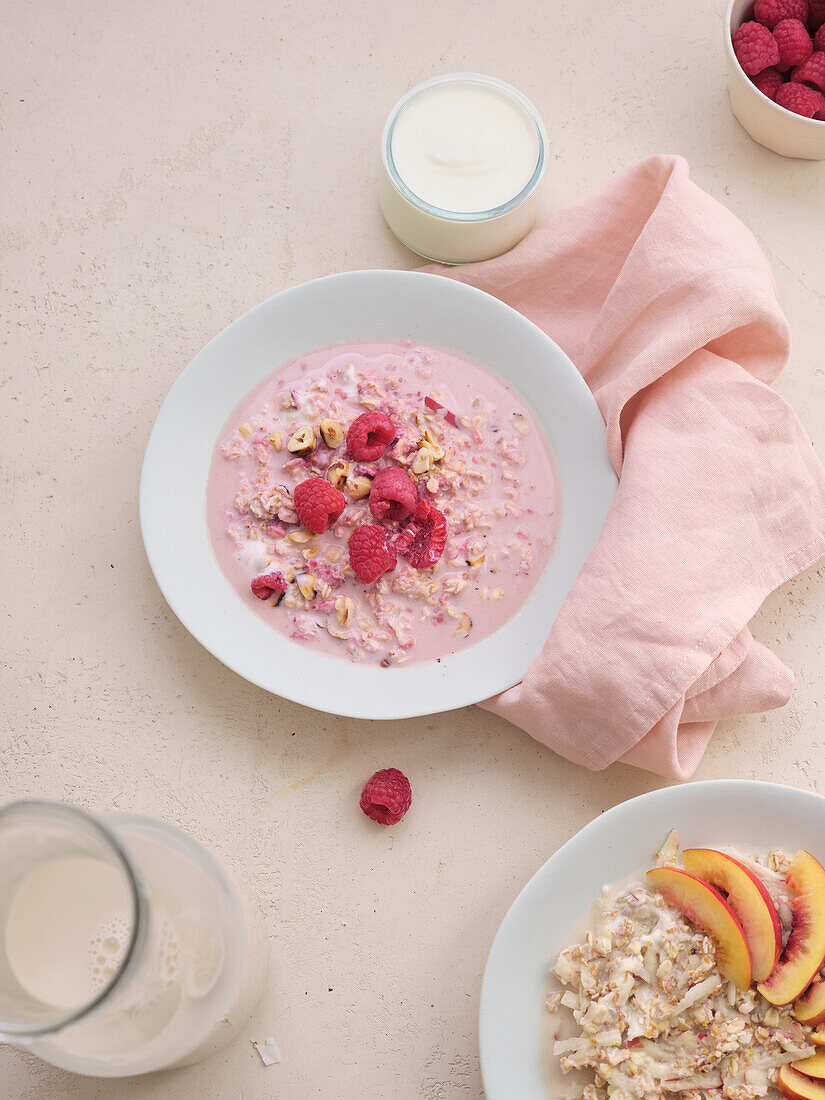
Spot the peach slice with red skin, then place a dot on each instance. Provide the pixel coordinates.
(705, 906)
(810, 1007)
(818, 1037)
(805, 948)
(748, 898)
(796, 1086)
(813, 1066)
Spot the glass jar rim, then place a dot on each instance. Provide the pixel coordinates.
(14, 1029)
(459, 215)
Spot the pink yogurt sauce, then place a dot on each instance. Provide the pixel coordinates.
(495, 484)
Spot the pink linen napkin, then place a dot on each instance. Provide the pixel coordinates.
(666, 304)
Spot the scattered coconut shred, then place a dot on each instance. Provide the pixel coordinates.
(268, 1051)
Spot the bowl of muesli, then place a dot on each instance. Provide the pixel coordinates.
(675, 947)
(372, 493)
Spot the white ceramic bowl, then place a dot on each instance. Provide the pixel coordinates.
(623, 840)
(771, 125)
(354, 306)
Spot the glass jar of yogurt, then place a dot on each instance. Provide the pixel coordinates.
(463, 162)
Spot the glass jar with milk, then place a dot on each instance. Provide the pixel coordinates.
(124, 945)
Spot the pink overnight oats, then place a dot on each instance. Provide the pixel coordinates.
(457, 552)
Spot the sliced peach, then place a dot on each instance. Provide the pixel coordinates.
(748, 898)
(706, 907)
(805, 948)
(796, 1086)
(813, 1066)
(818, 1037)
(810, 1007)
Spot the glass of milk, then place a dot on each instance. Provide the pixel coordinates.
(124, 945)
(463, 162)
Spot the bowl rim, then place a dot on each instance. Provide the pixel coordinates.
(781, 113)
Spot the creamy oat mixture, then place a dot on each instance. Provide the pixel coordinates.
(479, 458)
(652, 1016)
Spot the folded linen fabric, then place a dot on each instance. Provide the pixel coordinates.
(666, 304)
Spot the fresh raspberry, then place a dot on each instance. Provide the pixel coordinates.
(393, 495)
(801, 99)
(369, 436)
(318, 503)
(811, 71)
(755, 48)
(370, 554)
(794, 43)
(423, 540)
(769, 81)
(267, 585)
(817, 16)
(387, 796)
(771, 12)
(819, 40)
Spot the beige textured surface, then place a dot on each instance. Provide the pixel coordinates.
(165, 166)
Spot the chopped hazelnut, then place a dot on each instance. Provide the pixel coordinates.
(303, 442)
(423, 461)
(359, 487)
(332, 433)
(337, 473)
(431, 441)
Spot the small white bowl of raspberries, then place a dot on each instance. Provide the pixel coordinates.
(776, 73)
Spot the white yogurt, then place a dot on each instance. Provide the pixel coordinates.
(465, 147)
(463, 156)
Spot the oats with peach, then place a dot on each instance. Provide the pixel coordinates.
(704, 980)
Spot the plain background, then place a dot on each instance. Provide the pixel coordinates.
(166, 165)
